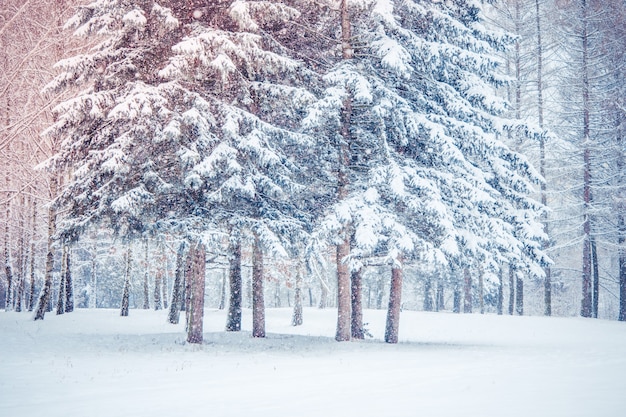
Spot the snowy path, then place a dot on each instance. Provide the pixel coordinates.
(94, 363)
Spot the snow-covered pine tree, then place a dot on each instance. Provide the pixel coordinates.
(249, 178)
(429, 179)
(186, 122)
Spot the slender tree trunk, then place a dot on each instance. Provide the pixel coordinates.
(356, 296)
(586, 302)
(258, 299)
(500, 292)
(8, 268)
(542, 159)
(222, 304)
(62, 283)
(146, 285)
(456, 295)
(126, 291)
(93, 299)
(440, 303)
(296, 319)
(33, 236)
(158, 280)
(395, 302)
(467, 299)
(621, 241)
(481, 290)
(177, 290)
(196, 305)
(189, 262)
(233, 323)
(323, 296)
(21, 266)
(343, 249)
(428, 298)
(519, 296)
(69, 283)
(596, 277)
(44, 298)
(511, 289)
(166, 272)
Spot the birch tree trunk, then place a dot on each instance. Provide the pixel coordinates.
(44, 297)
(467, 299)
(296, 320)
(69, 283)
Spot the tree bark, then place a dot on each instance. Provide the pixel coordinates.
(511, 289)
(258, 299)
(33, 227)
(596, 278)
(343, 249)
(621, 242)
(62, 277)
(356, 297)
(428, 298)
(296, 319)
(197, 288)
(44, 297)
(440, 302)
(519, 296)
(146, 285)
(177, 290)
(587, 296)
(467, 287)
(69, 283)
(395, 302)
(500, 292)
(233, 323)
(222, 303)
(8, 268)
(126, 291)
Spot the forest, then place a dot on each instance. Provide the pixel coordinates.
(442, 155)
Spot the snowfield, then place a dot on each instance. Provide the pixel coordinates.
(95, 363)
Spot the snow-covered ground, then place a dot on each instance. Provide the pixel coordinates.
(95, 363)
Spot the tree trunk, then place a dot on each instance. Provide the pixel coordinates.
(93, 297)
(126, 291)
(596, 277)
(197, 287)
(467, 291)
(166, 272)
(296, 319)
(542, 159)
(69, 283)
(62, 283)
(395, 302)
(177, 290)
(440, 302)
(621, 242)
(158, 280)
(222, 304)
(343, 249)
(511, 289)
(323, 296)
(456, 295)
(500, 292)
(189, 262)
(356, 297)
(428, 289)
(258, 299)
(481, 290)
(519, 296)
(8, 268)
(44, 297)
(233, 323)
(21, 267)
(146, 285)
(33, 227)
(587, 299)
